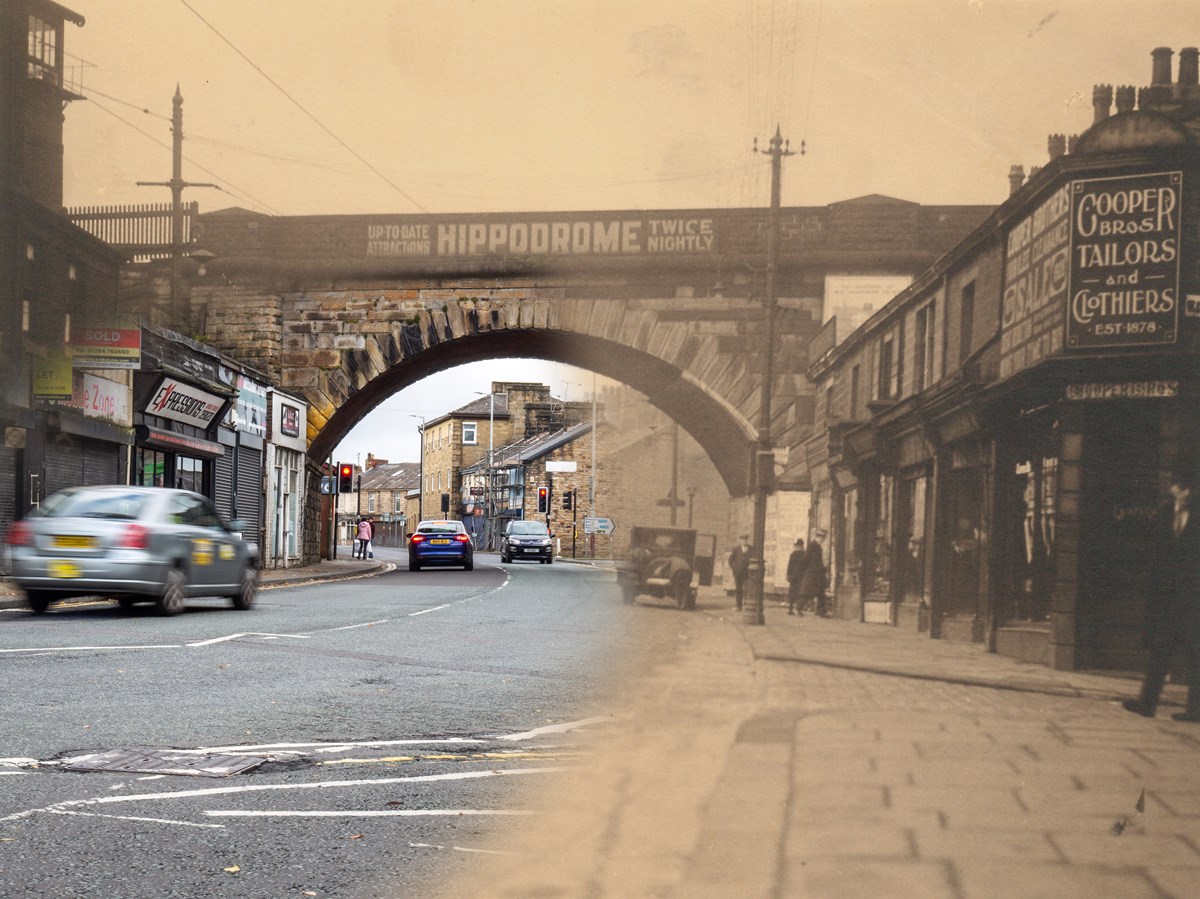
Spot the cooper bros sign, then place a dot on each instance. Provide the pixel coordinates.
(1124, 261)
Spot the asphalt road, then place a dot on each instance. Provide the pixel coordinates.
(402, 720)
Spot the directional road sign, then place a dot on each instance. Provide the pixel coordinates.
(599, 525)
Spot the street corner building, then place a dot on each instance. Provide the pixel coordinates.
(990, 445)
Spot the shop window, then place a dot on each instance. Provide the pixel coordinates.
(1037, 480)
(151, 468)
(883, 535)
(910, 573)
(189, 473)
(851, 567)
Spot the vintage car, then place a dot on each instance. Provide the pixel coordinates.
(662, 563)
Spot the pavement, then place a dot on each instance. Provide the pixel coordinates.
(815, 757)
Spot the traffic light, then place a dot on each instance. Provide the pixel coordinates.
(568, 500)
(543, 499)
(345, 478)
(445, 502)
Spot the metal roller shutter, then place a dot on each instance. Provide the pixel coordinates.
(223, 485)
(64, 465)
(101, 462)
(249, 489)
(8, 491)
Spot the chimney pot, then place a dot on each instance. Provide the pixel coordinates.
(1102, 96)
(1016, 177)
(1056, 145)
(1160, 72)
(1189, 69)
(1125, 98)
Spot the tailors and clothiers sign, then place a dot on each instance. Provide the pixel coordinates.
(1095, 265)
(1125, 261)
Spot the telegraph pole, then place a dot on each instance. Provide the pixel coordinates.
(764, 456)
(177, 184)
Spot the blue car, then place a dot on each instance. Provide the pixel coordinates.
(440, 543)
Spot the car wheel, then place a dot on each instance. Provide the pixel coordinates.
(414, 566)
(126, 602)
(550, 560)
(244, 598)
(170, 601)
(469, 565)
(681, 587)
(38, 601)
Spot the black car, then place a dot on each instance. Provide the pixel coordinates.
(527, 539)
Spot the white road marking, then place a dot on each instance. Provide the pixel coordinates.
(434, 609)
(262, 788)
(350, 627)
(90, 648)
(396, 813)
(458, 848)
(552, 729)
(56, 811)
(2, 773)
(251, 634)
(330, 747)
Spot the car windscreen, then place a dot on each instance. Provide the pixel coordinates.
(528, 527)
(90, 504)
(438, 529)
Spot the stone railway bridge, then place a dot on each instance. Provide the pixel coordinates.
(347, 310)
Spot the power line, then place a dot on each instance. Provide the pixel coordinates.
(228, 188)
(299, 106)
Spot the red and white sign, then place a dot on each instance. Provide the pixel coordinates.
(185, 403)
(106, 348)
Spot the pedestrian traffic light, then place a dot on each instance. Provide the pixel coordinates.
(345, 478)
(543, 499)
(568, 499)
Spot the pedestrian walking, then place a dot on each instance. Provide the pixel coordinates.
(362, 538)
(795, 570)
(813, 580)
(739, 564)
(1173, 605)
(369, 549)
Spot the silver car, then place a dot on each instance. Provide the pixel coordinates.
(139, 544)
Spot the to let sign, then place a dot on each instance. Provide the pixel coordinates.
(1124, 261)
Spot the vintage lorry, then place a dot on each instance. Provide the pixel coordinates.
(661, 563)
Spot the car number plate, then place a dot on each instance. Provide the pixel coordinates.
(440, 542)
(71, 541)
(63, 568)
(531, 549)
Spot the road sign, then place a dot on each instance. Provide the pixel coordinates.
(599, 525)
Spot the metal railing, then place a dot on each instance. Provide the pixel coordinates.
(143, 230)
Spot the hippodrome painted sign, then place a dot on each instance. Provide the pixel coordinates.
(616, 236)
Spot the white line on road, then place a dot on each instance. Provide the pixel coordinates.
(395, 813)
(552, 729)
(91, 648)
(329, 747)
(262, 788)
(457, 848)
(252, 634)
(350, 627)
(59, 811)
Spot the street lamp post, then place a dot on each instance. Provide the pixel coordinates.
(490, 506)
(764, 457)
(421, 471)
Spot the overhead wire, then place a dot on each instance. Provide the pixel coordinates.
(302, 108)
(227, 187)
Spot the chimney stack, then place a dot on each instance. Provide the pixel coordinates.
(1189, 71)
(1125, 98)
(1016, 177)
(1056, 145)
(1160, 72)
(1102, 96)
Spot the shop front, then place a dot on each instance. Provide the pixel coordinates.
(286, 447)
(176, 425)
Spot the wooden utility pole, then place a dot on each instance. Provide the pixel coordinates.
(764, 456)
(177, 184)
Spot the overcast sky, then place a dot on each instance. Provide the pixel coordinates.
(366, 106)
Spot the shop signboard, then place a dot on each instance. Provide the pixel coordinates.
(1037, 261)
(1125, 238)
(182, 402)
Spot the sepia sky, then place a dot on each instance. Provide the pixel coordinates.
(408, 106)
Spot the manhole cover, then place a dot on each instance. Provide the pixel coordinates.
(164, 761)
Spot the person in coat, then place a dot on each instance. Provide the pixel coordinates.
(813, 582)
(739, 564)
(1173, 619)
(362, 538)
(795, 570)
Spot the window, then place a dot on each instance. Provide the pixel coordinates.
(371, 501)
(887, 368)
(397, 502)
(855, 377)
(42, 50)
(470, 429)
(966, 322)
(923, 348)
